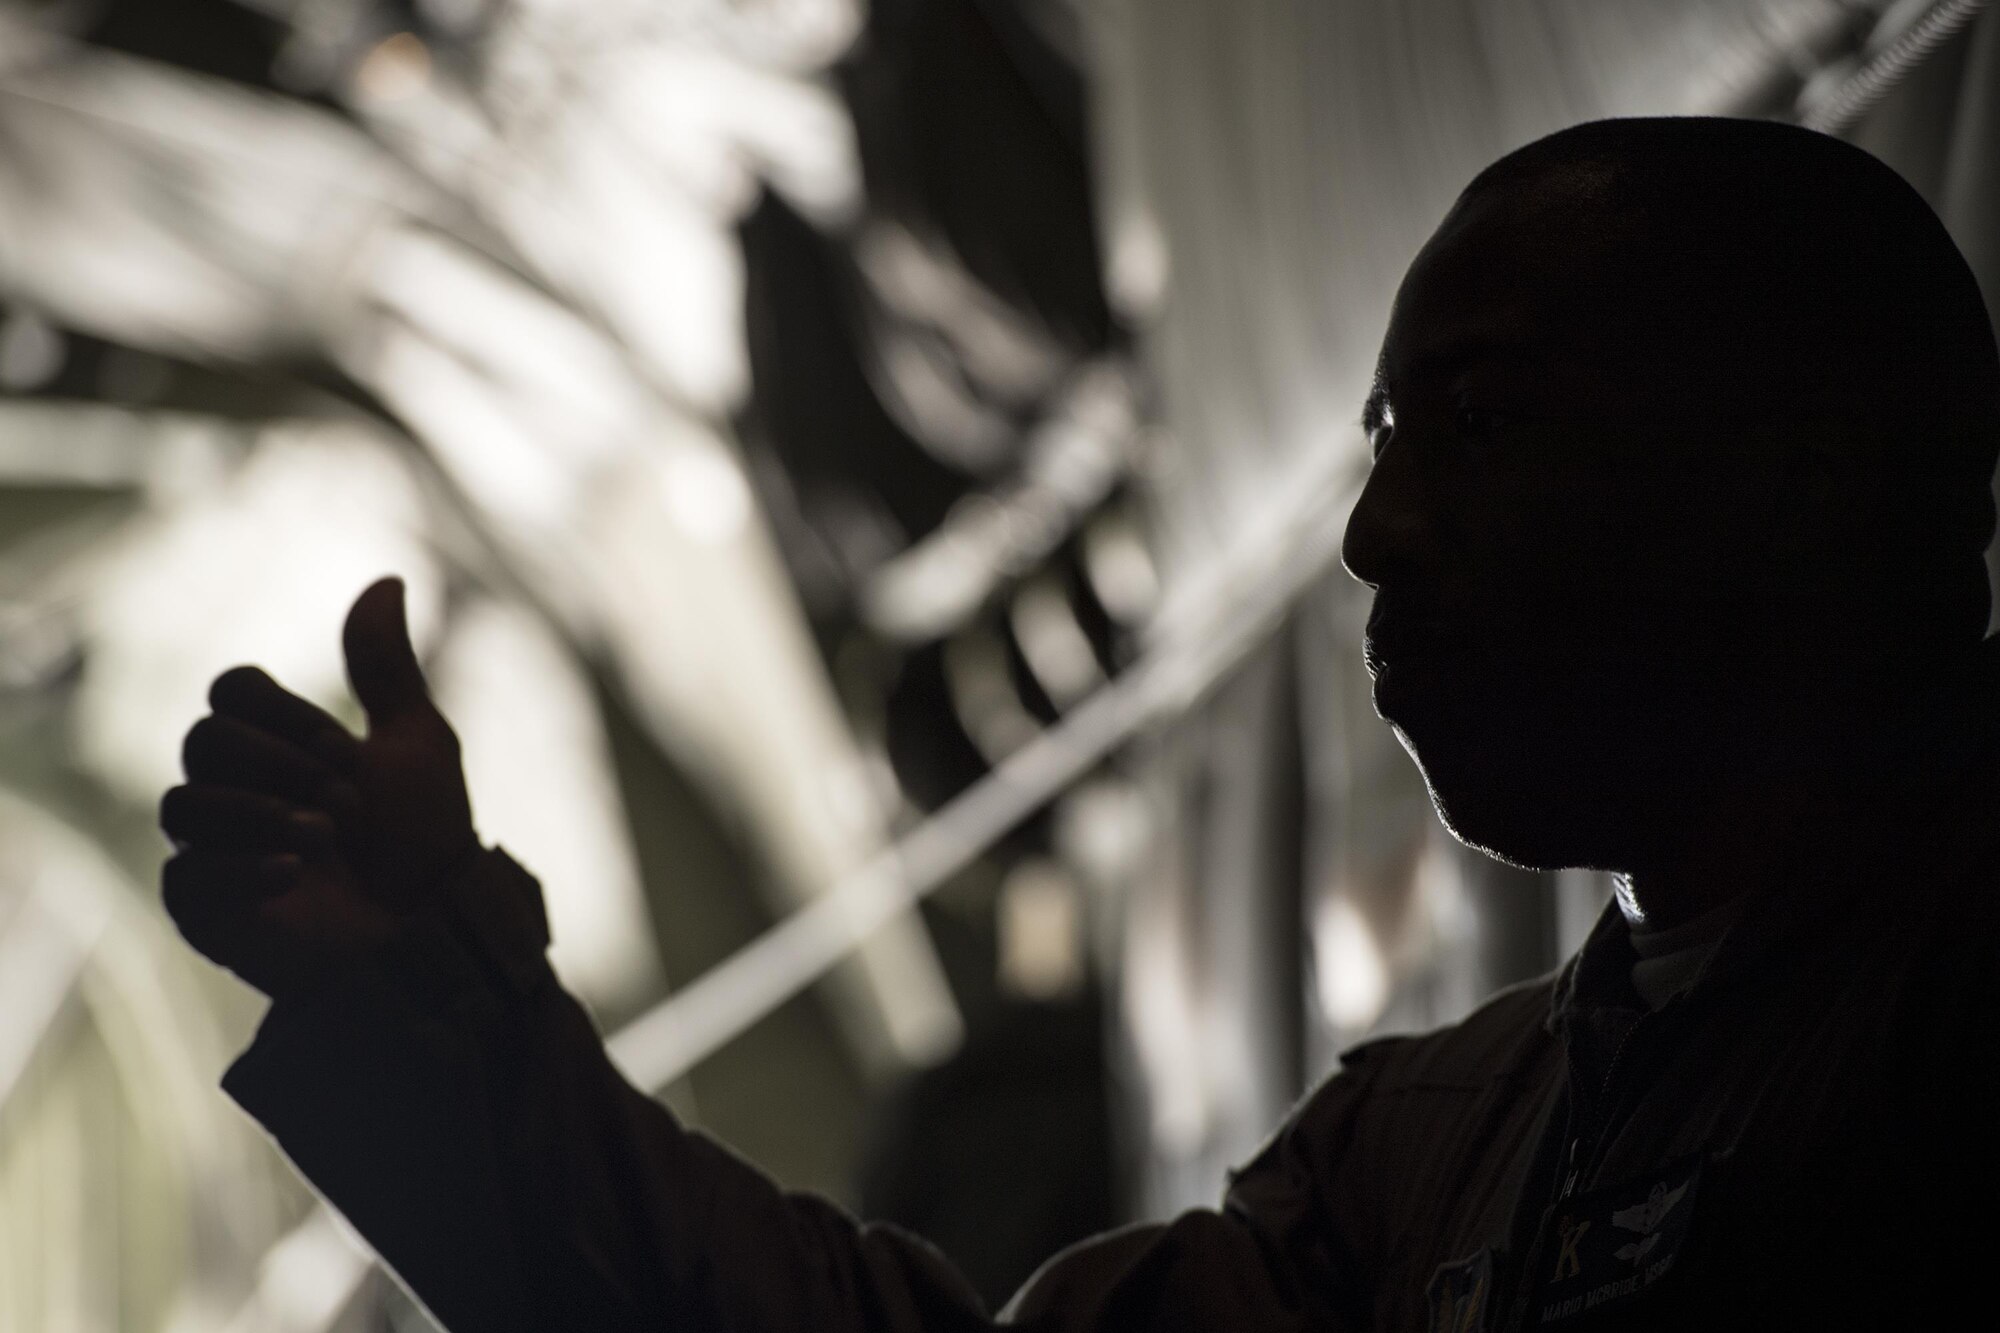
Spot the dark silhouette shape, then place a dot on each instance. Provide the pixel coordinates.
(1688, 480)
(1684, 432)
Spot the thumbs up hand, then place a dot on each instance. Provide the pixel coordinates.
(300, 847)
(414, 822)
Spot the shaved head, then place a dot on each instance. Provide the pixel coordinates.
(1684, 434)
(1768, 282)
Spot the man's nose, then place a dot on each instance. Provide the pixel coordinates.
(1389, 526)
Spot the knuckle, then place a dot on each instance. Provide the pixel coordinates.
(232, 685)
(332, 743)
(179, 889)
(438, 732)
(198, 744)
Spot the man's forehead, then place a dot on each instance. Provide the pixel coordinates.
(1511, 244)
(1433, 349)
(1490, 290)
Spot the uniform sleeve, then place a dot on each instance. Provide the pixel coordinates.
(1276, 1257)
(457, 1106)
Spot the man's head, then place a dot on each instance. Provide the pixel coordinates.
(1684, 431)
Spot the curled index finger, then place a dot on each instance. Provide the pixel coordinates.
(227, 819)
(228, 752)
(249, 694)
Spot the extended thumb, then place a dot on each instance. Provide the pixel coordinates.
(381, 662)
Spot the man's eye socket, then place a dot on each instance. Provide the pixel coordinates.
(1378, 439)
(1480, 420)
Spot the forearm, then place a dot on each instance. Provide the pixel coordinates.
(457, 1105)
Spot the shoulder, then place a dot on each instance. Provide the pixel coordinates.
(1395, 1123)
(1380, 1082)
(1493, 1042)
(1490, 1043)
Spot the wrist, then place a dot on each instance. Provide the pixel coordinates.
(494, 907)
(482, 933)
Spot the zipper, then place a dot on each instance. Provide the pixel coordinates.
(1572, 1167)
(1569, 1171)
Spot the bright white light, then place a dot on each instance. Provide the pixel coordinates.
(716, 125)
(1352, 976)
(569, 382)
(31, 352)
(312, 1273)
(935, 586)
(1041, 932)
(1438, 883)
(539, 769)
(711, 641)
(706, 495)
(662, 270)
(926, 390)
(1139, 269)
(1120, 568)
(1166, 1029)
(983, 694)
(179, 214)
(1053, 642)
(1104, 827)
(399, 67)
(506, 468)
(304, 1281)
(40, 960)
(927, 286)
(260, 569)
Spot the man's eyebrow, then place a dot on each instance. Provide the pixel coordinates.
(1461, 351)
(1378, 411)
(1375, 411)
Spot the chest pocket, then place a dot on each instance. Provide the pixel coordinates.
(1609, 1247)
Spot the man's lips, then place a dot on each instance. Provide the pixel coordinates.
(1397, 640)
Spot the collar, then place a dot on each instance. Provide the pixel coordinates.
(1925, 830)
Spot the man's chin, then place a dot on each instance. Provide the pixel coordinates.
(1528, 805)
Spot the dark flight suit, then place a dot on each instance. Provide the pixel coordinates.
(1804, 1138)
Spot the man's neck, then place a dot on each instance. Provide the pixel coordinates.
(1844, 768)
(1666, 901)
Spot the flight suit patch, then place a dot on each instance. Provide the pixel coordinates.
(1608, 1246)
(1458, 1294)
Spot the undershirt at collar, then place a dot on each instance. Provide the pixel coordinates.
(1669, 959)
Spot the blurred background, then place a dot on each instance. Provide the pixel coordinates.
(880, 460)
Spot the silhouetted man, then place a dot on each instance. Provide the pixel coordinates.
(1683, 432)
